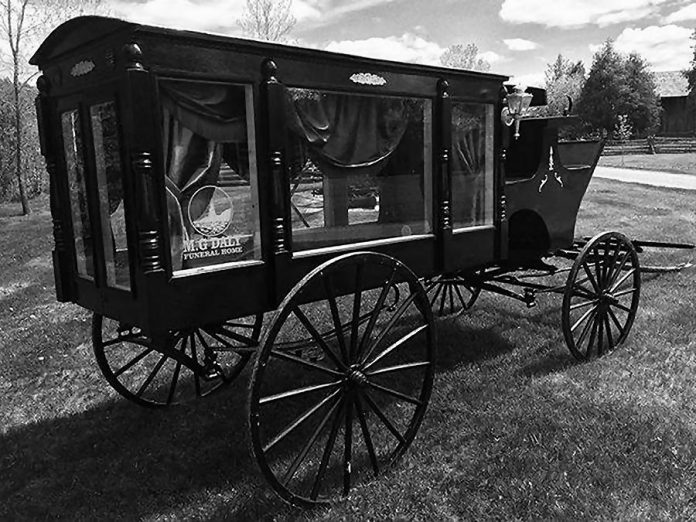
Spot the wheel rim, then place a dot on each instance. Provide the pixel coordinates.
(451, 294)
(601, 296)
(350, 408)
(134, 366)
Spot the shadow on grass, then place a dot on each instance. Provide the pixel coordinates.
(117, 460)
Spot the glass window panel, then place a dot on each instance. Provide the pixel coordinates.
(75, 167)
(107, 155)
(472, 165)
(211, 181)
(360, 167)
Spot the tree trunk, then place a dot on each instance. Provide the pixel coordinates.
(26, 210)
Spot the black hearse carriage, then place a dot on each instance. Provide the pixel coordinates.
(199, 182)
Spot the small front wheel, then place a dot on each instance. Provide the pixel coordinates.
(601, 296)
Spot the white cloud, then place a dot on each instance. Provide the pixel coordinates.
(405, 48)
(528, 80)
(576, 13)
(666, 48)
(683, 14)
(520, 44)
(212, 16)
(492, 57)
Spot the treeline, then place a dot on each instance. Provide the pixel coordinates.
(31, 162)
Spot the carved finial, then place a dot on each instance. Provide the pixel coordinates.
(133, 56)
(269, 69)
(43, 85)
(443, 88)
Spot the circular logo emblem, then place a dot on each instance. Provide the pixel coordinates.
(210, 211)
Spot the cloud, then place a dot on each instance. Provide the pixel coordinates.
(528, 80)
(221, 15)
(666, 48)
(683, 14)
(405, 48)
(577, 13)
(520, 44)
(492, 57)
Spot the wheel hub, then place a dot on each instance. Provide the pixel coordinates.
(356, 377)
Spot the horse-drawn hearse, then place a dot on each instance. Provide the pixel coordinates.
(199, 182)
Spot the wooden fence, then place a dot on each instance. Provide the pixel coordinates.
(656, 145)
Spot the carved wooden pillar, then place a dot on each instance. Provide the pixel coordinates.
(48, 128)
(444, 144)
(503, 139)
(140, 123)
(273, 93)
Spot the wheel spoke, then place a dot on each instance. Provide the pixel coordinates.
(175, 377)
(585, 331)
(620, 268)
(335, 316)
(590, 277)
(592, 335)
(600, 336)
(451, 297)
(616, 321)
(290, 473)
(347, 446)
(196, 377)
(372, 404)
(317, 337)
(366, 434)
(439, 288)
(394, 393)
(397, 315)
(398, 368)
(375, 313)
(624, 292)
(583, 304)
(298, 391)
(443, 298)
(622, 280)
(607, 329)
(300, 420)
(611, 266)
(394, 346)
(303, 362)
(357, 298)
(121, 339)
(152, 375)
(583, 318)
(133, 361)
(327, 454)
(461, 297)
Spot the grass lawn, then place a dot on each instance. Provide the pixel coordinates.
(516, 428)
(677, 163)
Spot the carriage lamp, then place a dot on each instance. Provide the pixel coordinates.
(517, 104)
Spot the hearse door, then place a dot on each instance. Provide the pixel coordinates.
(471, 238)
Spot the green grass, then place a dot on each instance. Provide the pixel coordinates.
(516, 428)
(676, 163)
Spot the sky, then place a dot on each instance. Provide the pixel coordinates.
(518, 37)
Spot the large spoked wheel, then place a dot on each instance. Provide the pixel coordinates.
(601, 296)
(346, 408)
(451, 293)
(180, 366)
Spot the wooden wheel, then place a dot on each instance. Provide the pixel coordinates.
(348, 407)
(184, 364)
(450, 293)
(601, 296)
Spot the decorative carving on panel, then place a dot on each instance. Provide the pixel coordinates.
(82, 68)
(368, 79)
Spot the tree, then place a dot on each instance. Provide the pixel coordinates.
(563, 79)
(22, 24)
(619, 84)
(459, 56)
(690, 74)
(269, 20)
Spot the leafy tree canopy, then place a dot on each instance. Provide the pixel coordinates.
(460, 56)
(619, 84)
